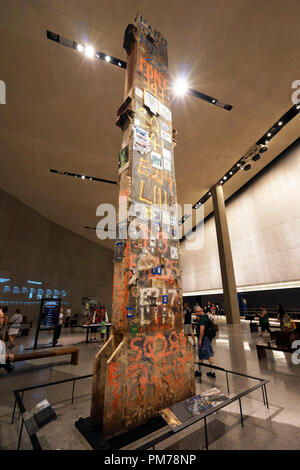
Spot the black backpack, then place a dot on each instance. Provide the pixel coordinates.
(210, 329)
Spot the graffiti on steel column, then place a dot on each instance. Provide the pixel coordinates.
(149, 365)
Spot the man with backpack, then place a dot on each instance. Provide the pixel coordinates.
(205, 332)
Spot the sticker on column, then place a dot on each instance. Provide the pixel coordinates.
(156, 214)
(152, 241)
(164, 112)
(173, 252)
(159, 270)
(129, 312)
(119, 250)
(156, 160)
(165, 299)
(141, 140)
(164, 126)
(124, 159)
(166, 136)
(172, 220)
(150, 102)
(139, 92)
(167, 157)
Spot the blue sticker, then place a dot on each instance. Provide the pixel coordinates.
(159, 270)
(165, 299)
(153, 270)
(129, 312)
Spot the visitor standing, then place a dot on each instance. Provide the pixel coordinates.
(207, 307)
(58, 327)
(187, 326)
(213, 311)
(280, 315)
(205, 332)
(68, 316)
(14, 327)
(5, 359)
(1, 324)
(263, 320)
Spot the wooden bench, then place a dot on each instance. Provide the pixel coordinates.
(281, 342)
(49, 353)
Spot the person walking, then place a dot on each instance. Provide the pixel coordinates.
(263, 320)
(205, 332)
(14, 327)
(187, 326)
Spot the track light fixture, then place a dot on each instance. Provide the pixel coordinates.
(247, 167)
(263, 147)
(83, 177)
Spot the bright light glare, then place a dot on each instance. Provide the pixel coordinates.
(89, 51)
(79, 47)
(180, 87)
(107, 58)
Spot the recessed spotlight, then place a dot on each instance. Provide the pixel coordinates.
(224, 177)
(231, 173)
(97, 55)
(238, 164)
(280, 123)
(83, 177)
(80, 47)
(269, 134)
(209, 194)
(119, 64)
(213, 101)
(221, 182)
(298, 106)
(89, 51)
(180, 87)
(107, 58)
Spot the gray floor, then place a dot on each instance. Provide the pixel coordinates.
(235, 349)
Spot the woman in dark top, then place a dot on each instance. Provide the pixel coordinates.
(264, 320)
(280, 314)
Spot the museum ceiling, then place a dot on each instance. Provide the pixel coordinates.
(61, 106)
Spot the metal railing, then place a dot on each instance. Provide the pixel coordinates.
(19, 396)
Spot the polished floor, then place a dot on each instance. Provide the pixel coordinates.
(276, 428)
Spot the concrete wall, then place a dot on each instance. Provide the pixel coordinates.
(32, 248)
(264, 227)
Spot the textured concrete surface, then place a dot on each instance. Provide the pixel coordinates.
(235, 349)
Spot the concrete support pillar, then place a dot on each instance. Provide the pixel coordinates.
(225, 256)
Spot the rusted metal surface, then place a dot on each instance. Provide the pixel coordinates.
(152, 364)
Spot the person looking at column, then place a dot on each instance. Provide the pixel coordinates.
(14, 327)
(58, 326)
(205, 332)
(68, 316)
(280, 315)
(263, 320)
(187, 326)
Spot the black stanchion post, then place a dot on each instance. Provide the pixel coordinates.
(73, 388)
(242, 421)
(206, 438)
(20, 434)
(13, 415)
